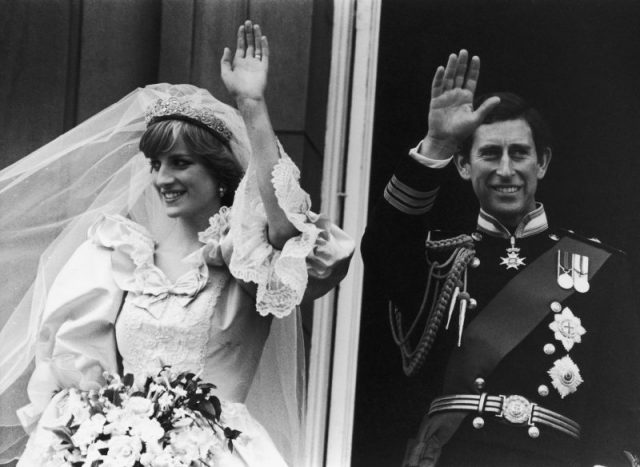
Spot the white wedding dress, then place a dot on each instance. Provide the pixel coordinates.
(110, 300)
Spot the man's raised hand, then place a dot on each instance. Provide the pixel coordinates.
(451, 115)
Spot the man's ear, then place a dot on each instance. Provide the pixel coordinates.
(462, 164)
(543, 162)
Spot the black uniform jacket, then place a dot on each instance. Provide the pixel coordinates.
(605, 404)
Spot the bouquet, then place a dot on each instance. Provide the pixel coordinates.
(174, 421)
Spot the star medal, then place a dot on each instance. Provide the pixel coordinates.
(512, 260)
(565, 376)
(567, 328)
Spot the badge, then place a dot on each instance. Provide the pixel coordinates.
(564, 270)
(567, 328)
(580, 266)
(573, 271)
(513, 260)
(565, 376)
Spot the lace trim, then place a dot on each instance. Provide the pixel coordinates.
(133, 266)
(281, 276)
(212, 237)
(169, 334)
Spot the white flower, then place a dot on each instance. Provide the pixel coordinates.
(57, 460)
(148, 430)
(567, 328)
(123, 451)
(77, 407)
(155, 387)
(179, 391)
(163, 459)
(165, 400)
(88, 431)
(565, 376)
(206, 440)
(138, 406)
(115, 414)
(184, 444)
(180, 413)
(119, 422)
(93, 453)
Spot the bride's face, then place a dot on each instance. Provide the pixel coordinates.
(185, 186)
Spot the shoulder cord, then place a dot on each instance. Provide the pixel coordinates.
(454, 274)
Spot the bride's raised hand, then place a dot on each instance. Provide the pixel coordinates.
(245, 73)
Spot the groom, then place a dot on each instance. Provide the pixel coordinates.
(523, 336)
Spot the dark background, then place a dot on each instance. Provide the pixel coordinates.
(578, 62)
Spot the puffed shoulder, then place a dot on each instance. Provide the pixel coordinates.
(118, 232)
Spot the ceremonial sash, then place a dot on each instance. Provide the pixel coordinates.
(503, 323)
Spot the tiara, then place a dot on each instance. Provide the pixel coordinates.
(174, 108)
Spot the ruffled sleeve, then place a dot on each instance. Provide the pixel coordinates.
(76, 340)
(320, 252)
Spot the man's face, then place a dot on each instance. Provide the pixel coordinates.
(504, 169)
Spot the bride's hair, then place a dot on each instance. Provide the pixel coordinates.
(215, 155)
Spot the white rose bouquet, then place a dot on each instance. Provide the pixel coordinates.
(173, 421)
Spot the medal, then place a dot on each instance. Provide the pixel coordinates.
(567, 328)
(573, 271)
(580, 266)
(512, 260)
(564, 270)
(565, 376)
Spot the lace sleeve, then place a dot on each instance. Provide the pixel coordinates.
(282, 276)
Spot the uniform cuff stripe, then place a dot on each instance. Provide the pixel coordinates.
(396, 184)
(410, 200)
(411, 209)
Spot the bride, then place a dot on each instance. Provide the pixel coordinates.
(185, 264)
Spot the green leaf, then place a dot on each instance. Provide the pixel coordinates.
(216, 404)
(231, 434)
(70, 422)
(208, 410)
(128, 380)
(62, 432)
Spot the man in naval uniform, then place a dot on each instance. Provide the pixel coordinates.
(524, 338)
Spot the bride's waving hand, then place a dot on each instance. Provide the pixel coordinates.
(245, 76)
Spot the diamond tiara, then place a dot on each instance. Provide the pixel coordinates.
(174, 108)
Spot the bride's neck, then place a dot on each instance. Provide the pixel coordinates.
(184, 236)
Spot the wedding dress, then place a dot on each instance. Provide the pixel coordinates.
(111, 308)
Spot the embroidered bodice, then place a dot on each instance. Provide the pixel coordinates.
(202, 322)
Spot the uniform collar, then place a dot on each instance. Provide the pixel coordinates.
(533, 223)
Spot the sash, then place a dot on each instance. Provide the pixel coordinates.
(503, 323)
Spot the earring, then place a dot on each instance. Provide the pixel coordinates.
(221, 192)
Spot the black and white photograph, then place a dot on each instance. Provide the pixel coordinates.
(319, 233)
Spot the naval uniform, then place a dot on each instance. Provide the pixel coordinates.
(571, 369)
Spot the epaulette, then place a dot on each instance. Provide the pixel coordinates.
(590, 241)
(452, 231)
(439, 234)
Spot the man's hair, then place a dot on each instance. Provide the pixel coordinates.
(513, 107)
